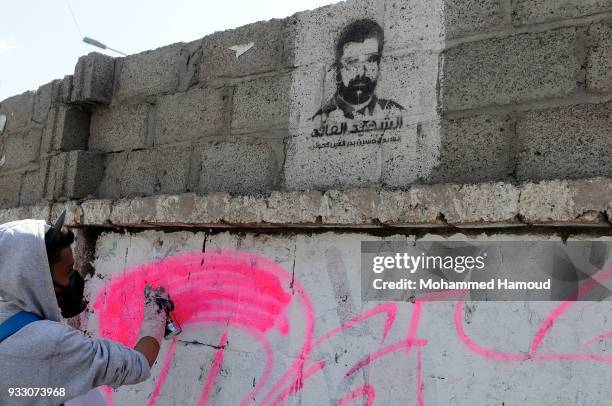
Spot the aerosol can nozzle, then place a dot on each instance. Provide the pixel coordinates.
(172, 327)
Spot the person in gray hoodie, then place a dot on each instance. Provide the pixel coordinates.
(48, 353)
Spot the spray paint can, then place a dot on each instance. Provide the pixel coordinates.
(172, 327)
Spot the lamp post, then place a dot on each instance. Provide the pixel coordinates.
(98, 44)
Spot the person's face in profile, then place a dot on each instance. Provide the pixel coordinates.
(358, 70)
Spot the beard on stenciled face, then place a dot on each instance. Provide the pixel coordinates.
(358, 71)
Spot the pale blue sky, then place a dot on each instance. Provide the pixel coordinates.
(39, 41)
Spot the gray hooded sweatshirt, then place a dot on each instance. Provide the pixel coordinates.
(49, 353)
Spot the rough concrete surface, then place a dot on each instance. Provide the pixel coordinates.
(320, 317)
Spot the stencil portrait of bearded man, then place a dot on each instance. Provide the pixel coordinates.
(357, 63)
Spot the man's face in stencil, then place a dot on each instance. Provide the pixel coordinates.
(358, 70)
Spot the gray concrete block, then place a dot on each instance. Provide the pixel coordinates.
(121, 127)
(409, 80)
(244, 165)
(84, 172)
(48, 137)
(538, 11)
(148, 73)
(42, 103)
(474, 149)
(21, 148)
(190, 115)
(310, 36)
(412, 24)
(219, 61)
(464, 17)
(565, 143)
(146, 172)
(189, 71)
(352, 160)
(32, 187)
(306, 95)
(93, 79)
(515, 69)
(62, 90)
(73, 175)
(54, 166)
(10, 186)
(599, 65)
(261, 104)
(18, 111)
(412, 158)
(73, 129)
(67, 129)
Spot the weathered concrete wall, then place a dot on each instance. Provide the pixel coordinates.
(271, 307)
(492, 122)
(467, 92)
(250, 320)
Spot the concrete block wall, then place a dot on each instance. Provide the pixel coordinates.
(268, 294)
(528, 78)
(475, 91)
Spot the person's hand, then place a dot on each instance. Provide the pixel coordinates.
(156, 304)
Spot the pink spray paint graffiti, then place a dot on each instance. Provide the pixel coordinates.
(542, 333)
(236, 290)
(239, 291)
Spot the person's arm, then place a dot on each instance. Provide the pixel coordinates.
(149, 347)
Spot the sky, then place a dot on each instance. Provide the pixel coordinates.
(41, 40)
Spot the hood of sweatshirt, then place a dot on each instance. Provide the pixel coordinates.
(25, 276)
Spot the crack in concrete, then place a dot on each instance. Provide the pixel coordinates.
(195, 342)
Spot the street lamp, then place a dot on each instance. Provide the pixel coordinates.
(98, 44)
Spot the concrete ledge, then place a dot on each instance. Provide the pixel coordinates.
(586, 202)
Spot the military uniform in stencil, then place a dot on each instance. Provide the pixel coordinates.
(355, 107)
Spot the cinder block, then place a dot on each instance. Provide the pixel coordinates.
(411, 159)
(67, 129)
(464, 17)
(538, 11)
(409, 80)
(18, 111)
(42, 103)
(474, 149)
(565, 143)
(62, 90)
(244, 166)
(84, 172)
(191, 115)
(93, 79)
(72, 128)
(261, 104)
(73, 175)
(306, 95)
(219, 61)
(10, 186)
(121, 127)
(515, 69)
(189, 72)
(32, 187)
(148, 73)
(310, 36)
(350, 160)
(412, 24)
(599, 66)
(146, 172)
(22, 148)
